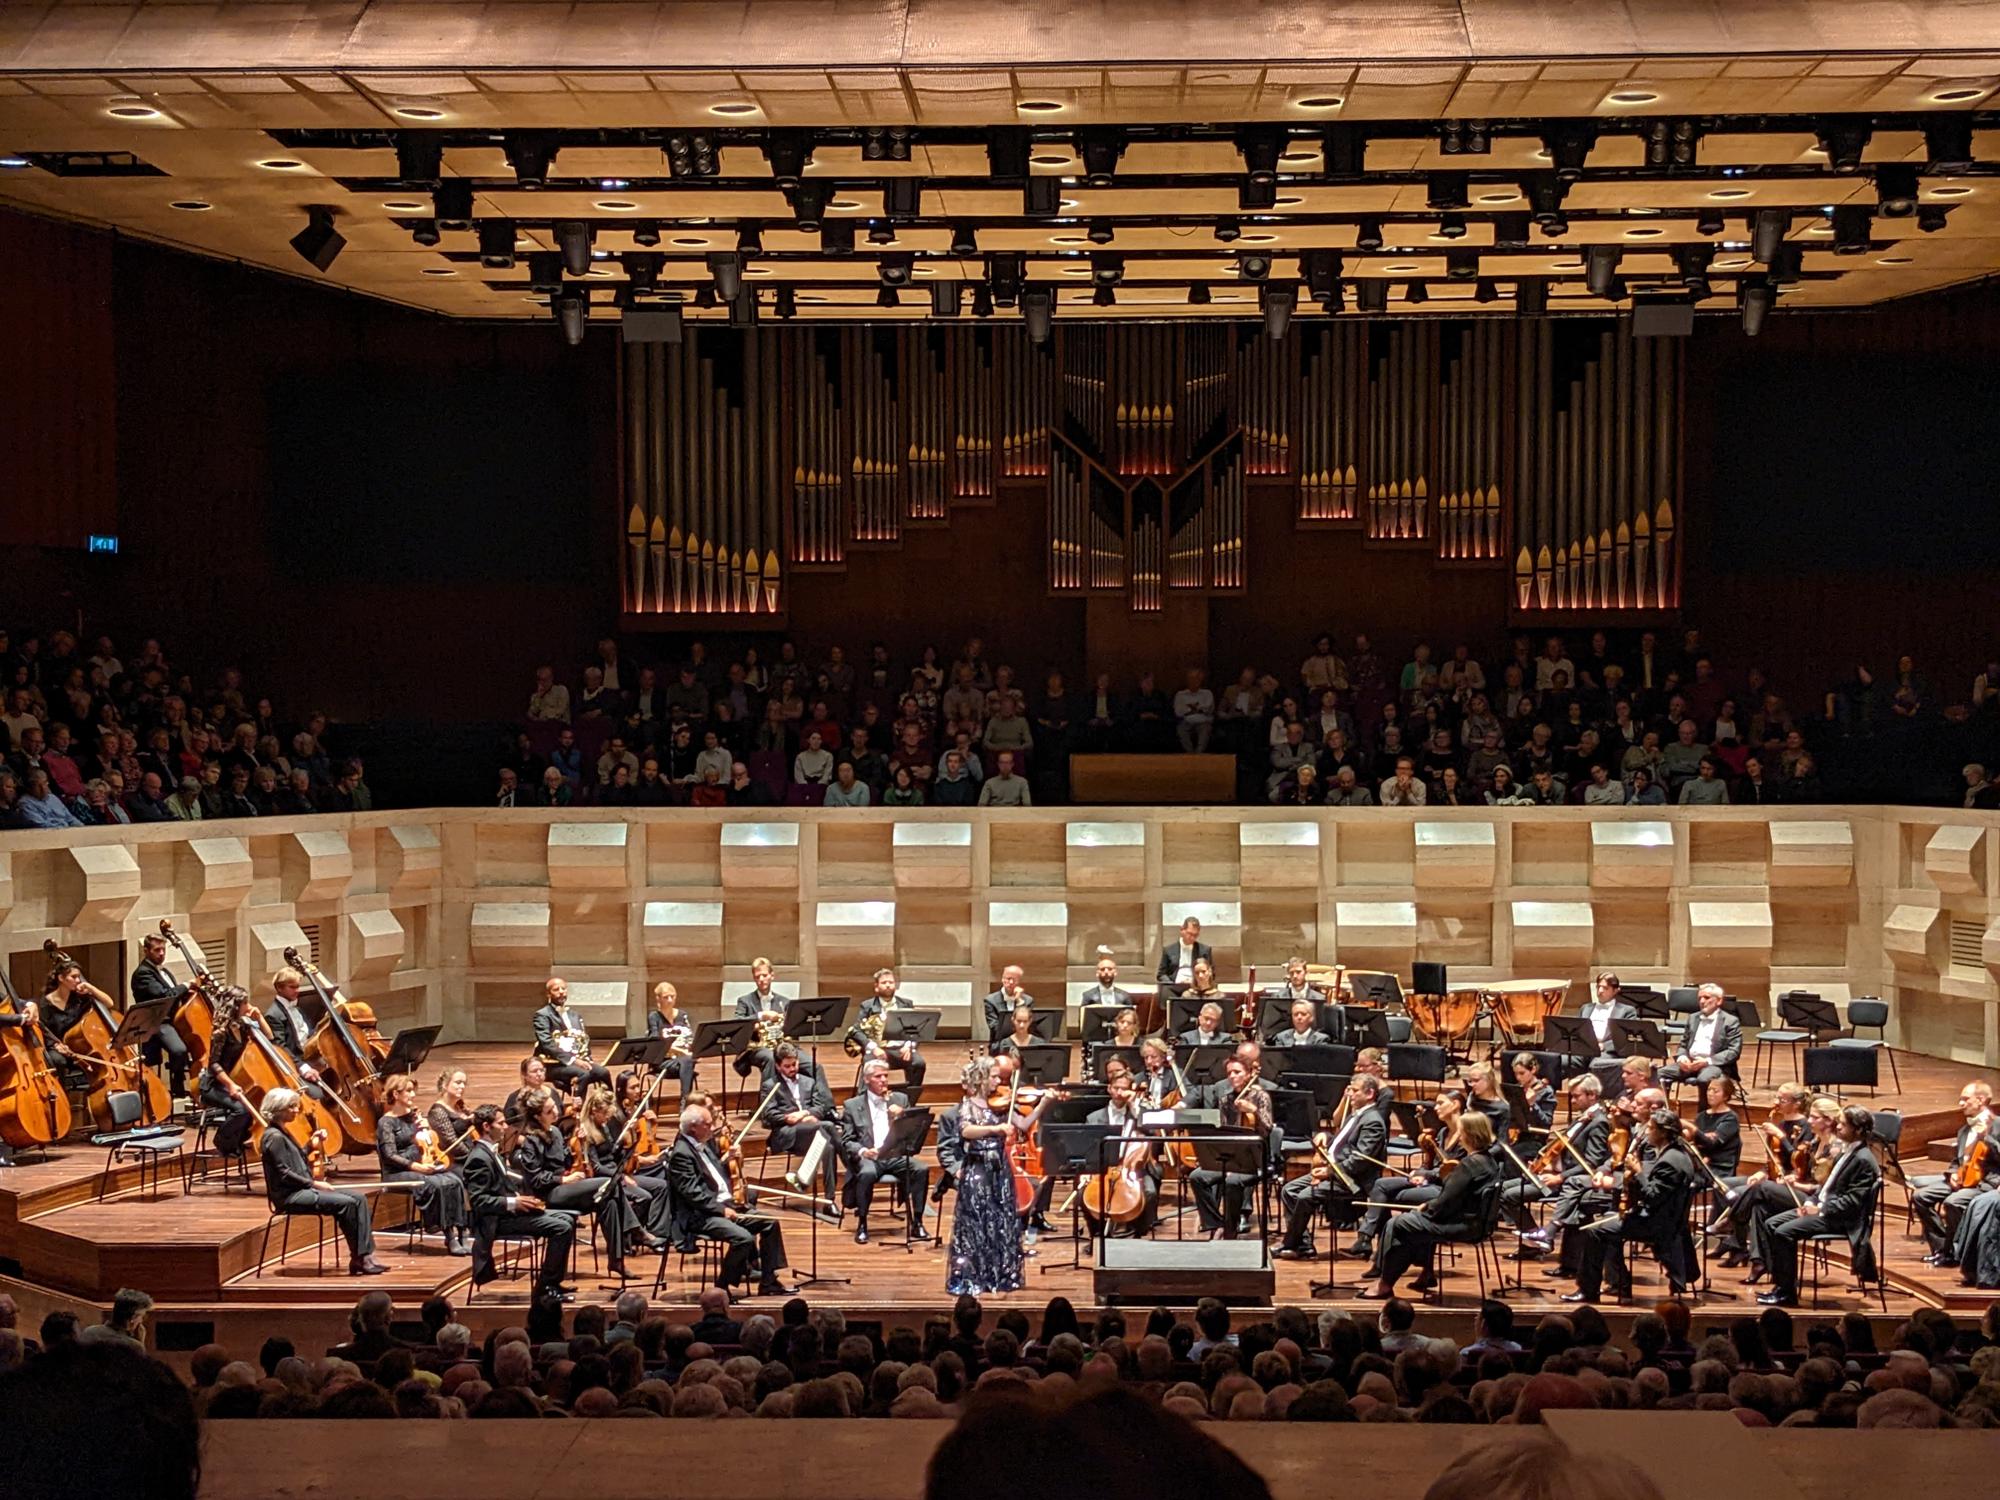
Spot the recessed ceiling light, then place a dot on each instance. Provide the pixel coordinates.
(602, 273)
(1508, 197)
(1397, 270)
(1649, 232)
(1039, 106)
(1894, 260)
(690, 241)
(1049, 159)
(133, 112)
(1734, 263)
(733, 107)
(1319, 101)
(419, 112)
(1297, 158)
(1067, 203)
(1542, 155)
(756, 270)
(1572, 264)
(1229, 297)
(281, 164)
(845, 205)
(1641, 211)
(439, 271)
(612, 184)
(1633, 96)
(1820, 231)
(1068, 239)
(1289, 200)
(811, 297)
(1729, 195)
(1956, 96)
(923, 270)
(1076, 270)
(615, 205)
(1950, 192)
(1260, 239)
(406, 206)
(11, 162)
(191, 205)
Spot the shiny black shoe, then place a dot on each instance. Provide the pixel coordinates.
(1578, 1296)
(1288, 1252)
(1361, 1249)
(920, 1235)
(1778, 1299)
(861, 1235)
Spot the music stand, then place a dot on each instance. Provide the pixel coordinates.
(1324, 1058)
(1381, 990)
(1102, 1055)
(1274, 1013)
(907, 1134)
(409, 1049)
(646, 1052)
(1570, 1036)
(1517, 1102)
(1809, 1013)
(1098, 1021)
(1367, 1026)
(1327, 1089)
(1068, 1151)
(1409, 1119)
(1046, 1024)
(1650, 1004)
(1183, 1013)
(1637, 1039)
(724, 1039)
(142, 1020)
(1042, 1066)
(1241, 1155)
(1202, 1065)
(912, 1026)
(1275, 1064)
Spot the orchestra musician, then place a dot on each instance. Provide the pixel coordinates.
(1568, 1182)
(151, 981)
(1156, 1080)
(290, 1187)
(667, 1019)
(1296, 988)
(1711, 1041)
(1138, 1157)
(1760, 1202)
(534, 1078)
(1420, 1186)
(763, 1004)
(634, 1095)
(1124, 1034)
(291, 1031)
(597, 1143)
(1940, 1201)
(705, 1207)
(986, 1252)
(549, 1169)
(1035, 1220)
(500, 1210)
(1527, 1071)
(65, 998)
(1003, 1002)
(1605, 1008)
(898, 1054)
(1843, 1204)
(1356, 1148)
(1106, 990)
(1176, 968)
(798, 1111)
(864, 1127)
(1207, 1030)
(1483, 1088)
(1452, 1216)
(1656, 1215)
(1245, 1105)
(562, 1043)
(1717, 1135)
(1204, 985)
(1784, 1130)
(449, 1116)
(1019, 1033)
(399, 1147)
(235, 1016)
(1304, 1030)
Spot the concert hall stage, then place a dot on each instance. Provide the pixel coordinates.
(199, 1254)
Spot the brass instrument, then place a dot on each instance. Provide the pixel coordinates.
(866, 1033)
(573, 1042)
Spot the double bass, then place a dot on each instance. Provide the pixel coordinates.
(348, 1050)
(265, 1066)
(34, 1106)
(114, 1069)
(195, 1020)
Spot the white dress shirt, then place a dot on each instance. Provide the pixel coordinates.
(878, 1119)
(1703, 1044)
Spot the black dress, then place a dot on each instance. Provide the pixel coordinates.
(439, 1196)
(986, 1229)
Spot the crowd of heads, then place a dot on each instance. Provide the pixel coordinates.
(1593, 721)
(102, 737)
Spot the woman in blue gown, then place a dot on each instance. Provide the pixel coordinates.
(986, 1227)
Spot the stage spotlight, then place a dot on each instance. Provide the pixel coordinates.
(1005, 273)
(788, 302)
(1228, 231)
(1107, 270)
(1464, 138)
(1531, 298)
(1416, 294)
(1256, 197)
(1692, 262)
(1600, 268)
(1261, 146)
(451, 202)
(641, 270)
(789, 152)
(1853, 227)
(944, 298)
(532, 155)
(1709, 222)
(1343, 151)
(809, 201)
(1451, 226)
(1279, 303)
(496, 243)
(1948, 144)
(691, 154)
(1007, 151)
(1372, 295)
(1546, 193)
(1104, 296)
(1321, 272)
(704, 296)
(573, 239)
(1041, 197)
(982, 301)
(1100, 147)
(572, 310)
(1787, 265)
(319, 244)
(750, 239)
(1039, 311)
(888, 297)
(1931, 217)
(885, 143)
(1767, 232)
(1254, 267)
(419, 158)
(1510, 231)
(1461, 265)
(1671, 143)
(880, 232)
(1843, 141)
(896, 270)
(425, 232)
(1486, 291)
(1199, 295)
(1756, 299)
(964, 239)
(1100, 232)
(1569, 145)
(1446, 190)
(1896, 189)
(544, 271)
(836, 237)
(903, 198)
(743, 311)
(1368, 236)
(646, 232)
(727, 270)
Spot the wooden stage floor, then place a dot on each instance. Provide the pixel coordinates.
(203, 1253)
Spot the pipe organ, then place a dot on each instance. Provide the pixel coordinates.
(1549, 446)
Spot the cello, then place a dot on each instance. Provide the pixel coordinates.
(349, 1051)
(34, 1106)
(115, 1069)
(264, 1066)
(195, 1020)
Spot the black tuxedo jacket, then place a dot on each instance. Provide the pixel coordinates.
(819, 1098)
(855, 1132)
(1170, 959)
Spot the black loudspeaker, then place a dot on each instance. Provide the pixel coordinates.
(1837, 1067)
(1427, 979)
(651, 325)
(1662, 319)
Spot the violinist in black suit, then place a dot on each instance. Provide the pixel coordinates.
(798, 1110)
(291, 1030)
(864, 1125)
(1655, 1213)
(704, 1208)
(548, 1168)
(500, 1210)
(1355, 1147)
(151, 981)
(291, 1188)
(563, 1043)
(1176, 968)
(1841, 1206)
(1569, 1180)
(1452, 1216)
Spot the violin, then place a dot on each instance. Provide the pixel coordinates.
(429, 1152)
(1551, 1155)
(1973, 1170)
